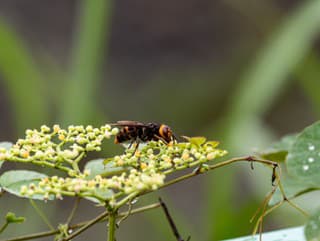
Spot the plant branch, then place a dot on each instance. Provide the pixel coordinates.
(73, 211)
(4, 226)
(79, 225)
(101, 216)
(41, 214)
(112, 225)
(217, 165)
(33, 236)
(86, 226)
(41, 163)
(126, 200)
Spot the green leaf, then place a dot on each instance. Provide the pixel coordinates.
(303, 160)
(197, 140)
(308, 73)
(107, 160)
(278, 151)
(292, 234)
(212, 143)
(259, 88)
(21, 75)
(292, 188)
(12, 181)
(97, 167)
(103, 194)
(285, 143)
(100, 195)
(12, 218)
(312, 228)
(6, 145)
(87, 58)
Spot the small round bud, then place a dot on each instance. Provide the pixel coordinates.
(30, 192)
(89, 128)
(87, 172)
(72, 173)
(107, 134)
(71, 128)
(45, 128)
(185, 155)
(114, 131)
(29, 132)
(56, 128)
(61, 137)
(143, 166)
(3, 156)
(39, 155)
(23, 189)
(90, 147)
(59, 196)
(24, 153)
(211, 155)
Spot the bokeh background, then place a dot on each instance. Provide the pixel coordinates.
(241, 72)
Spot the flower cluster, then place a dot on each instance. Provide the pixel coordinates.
(134, 172)
(55, 145)
(166, 159)
(103, 189)
(142, 170)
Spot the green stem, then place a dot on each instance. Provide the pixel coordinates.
(40, 163)
(87, 225)
(76, 167)
(126, 200)
(102, 217)
(75, 162)
(79, 225)
(112, 225)
(221, 164)
(74, 209)
(34, 236)
(91, 37)
(215, 166)
(78, 159)
(41, 214)
(4, 227)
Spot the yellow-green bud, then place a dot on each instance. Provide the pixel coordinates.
(114, 131)
(45, 128)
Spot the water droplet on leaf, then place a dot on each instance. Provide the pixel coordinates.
(134, 201)
(310, 159)
(305, 167)
(311, 147)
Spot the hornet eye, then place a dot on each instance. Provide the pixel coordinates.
(165, 132)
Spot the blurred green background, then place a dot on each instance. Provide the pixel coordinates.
(243, 72)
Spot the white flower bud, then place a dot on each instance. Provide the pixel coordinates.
(45, 128)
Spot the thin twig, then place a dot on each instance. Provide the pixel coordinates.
(86, 226)
(100, 217)
(73, 211)
(4, 226)
(103, 216)
(218, 165)
(79, 225)
(126, 216)
(41, 214)
(34, 236)
(171, 222)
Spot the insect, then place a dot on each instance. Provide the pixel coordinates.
(136, 132)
